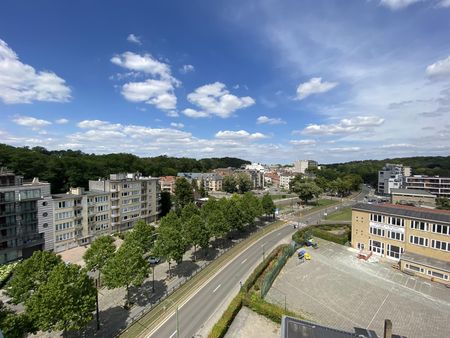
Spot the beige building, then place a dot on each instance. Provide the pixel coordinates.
(167, 184)
(211, 181)
(300, 166)
(419, 238)
(415, 197)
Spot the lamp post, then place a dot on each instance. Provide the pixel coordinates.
(176, 317)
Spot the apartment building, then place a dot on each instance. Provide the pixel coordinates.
(167, 183)
(439, 186)
(133, 197)
(419, 238)
(19, 214)
(392, 176)
(273, 179)
(211, 181)
(300, 166)
(285, 181)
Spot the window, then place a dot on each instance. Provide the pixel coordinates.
(441, 229)
(437, 274)
(377, 231)
(418, 240)
(414, 268)
(396, 221)
(44, 203)
(65, 204)
(376, 246)
(440, 245)
(361, 246)
(394, 251)
(376, 218)
(419, 225)
(396, 235)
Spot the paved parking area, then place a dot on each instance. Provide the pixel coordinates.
(337, 289)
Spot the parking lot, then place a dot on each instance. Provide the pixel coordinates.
(338, 290)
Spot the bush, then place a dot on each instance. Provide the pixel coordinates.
(6, 271)
(302, 235)
(221, 327)
(268, 310)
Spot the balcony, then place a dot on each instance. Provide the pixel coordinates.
(114, 207)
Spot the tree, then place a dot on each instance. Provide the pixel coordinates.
(243, 183)
(126, 268)
(171, 242)
(229, 184)
(250, 207)
(267, 205)
(188, 211)
(166, 203)
(443, 203)
(30, 274)
(14, 325)
(183, 193)
(99, 253)
(142, 236)
(65, 302)
(196, 233)
(322, 183)
(341, 187)
(233, 214)
(306, 190)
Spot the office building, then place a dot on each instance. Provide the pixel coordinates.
(19, 215)
(414, 197)
(392, 176)
(438, 186)
(419, 238)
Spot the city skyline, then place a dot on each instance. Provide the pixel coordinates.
(263, 81)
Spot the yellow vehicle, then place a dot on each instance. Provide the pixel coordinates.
(307, 256)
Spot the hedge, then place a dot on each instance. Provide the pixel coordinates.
(329, 236)
(266, 309)
(221, 327)
(319, 231)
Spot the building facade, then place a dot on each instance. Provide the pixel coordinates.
(419, 238)
(392, 176)
(285, 181)
(414, 197)
(211, 181)
(19, 215)
(167, 183)
(300, 166)
(439, 186)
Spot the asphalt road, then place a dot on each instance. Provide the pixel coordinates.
(203, 304)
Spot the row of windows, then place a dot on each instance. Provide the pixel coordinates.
(418, 240)
(429, 272)
(66, 236)
(441, 229)
(101, 208)
(126, 217)
(131, 201)
(101, 218)
(63, 215)
(419, 225)
(133, 208)
(63, 226)
(377, 231)
(396, 235)
(440, 245)
(26, 194)
(100, 199)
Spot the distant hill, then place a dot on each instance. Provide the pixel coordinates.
(425, 165)
(68, 168)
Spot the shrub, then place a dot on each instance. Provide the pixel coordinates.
(268, 310)
(221, 327)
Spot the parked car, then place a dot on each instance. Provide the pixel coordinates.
(154, 260)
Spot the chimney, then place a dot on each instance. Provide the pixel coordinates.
(387, 329)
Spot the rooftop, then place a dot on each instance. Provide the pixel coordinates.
(427, 261)
(406, 211)
(413, 192)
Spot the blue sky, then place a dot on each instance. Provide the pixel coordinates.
(265, 80)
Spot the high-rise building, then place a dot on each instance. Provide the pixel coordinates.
(392, 176)
(19, 215)
(300, 166)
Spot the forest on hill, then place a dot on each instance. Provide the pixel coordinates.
(69, 168)
(368, 169)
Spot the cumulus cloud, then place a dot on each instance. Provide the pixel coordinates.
(268, 120)
(21, 83)
(444, 3)
(345, 149)
(303, 142)
(31, 122)
(172, 113)
(98, 124)
(398, 146)
(215, 99)
(314, 86)
(177, 125)
(345, 126)
(134, 39)
(397, 4)
(440, 68)
(187, 69)
(62, 121)
(158, 90)
(240, 134)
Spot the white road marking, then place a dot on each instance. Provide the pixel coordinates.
(218, 286)
(278, 234)
(263, 244)
(173, 334)
(245, 260)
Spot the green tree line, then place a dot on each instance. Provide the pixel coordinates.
(69, 168)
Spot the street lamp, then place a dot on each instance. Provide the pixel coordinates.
(95, 275)
(176, 316)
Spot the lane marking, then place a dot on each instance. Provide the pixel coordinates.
(263, 244)
(173, 334)
(218, 286)
(245, 260)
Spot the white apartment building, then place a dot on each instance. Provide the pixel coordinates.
(392, 176)
(300, 166)
(285, 180)
(133, 197)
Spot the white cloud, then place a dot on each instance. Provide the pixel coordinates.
(215, 99)
(314, 86)
(134, 39)
(397, 4)
(268, 120)
(444, 3)
(21, 83)
(98, 124)
(172, 113)
(440, 68)
(303, 142)
(398, 145)
(345, 126)
(240, 134)
(33, 123)
(345, 149)
(62, 121)
(158, 91)
(177, 125)
(187, 69)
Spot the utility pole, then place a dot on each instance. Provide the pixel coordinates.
(178, 325)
